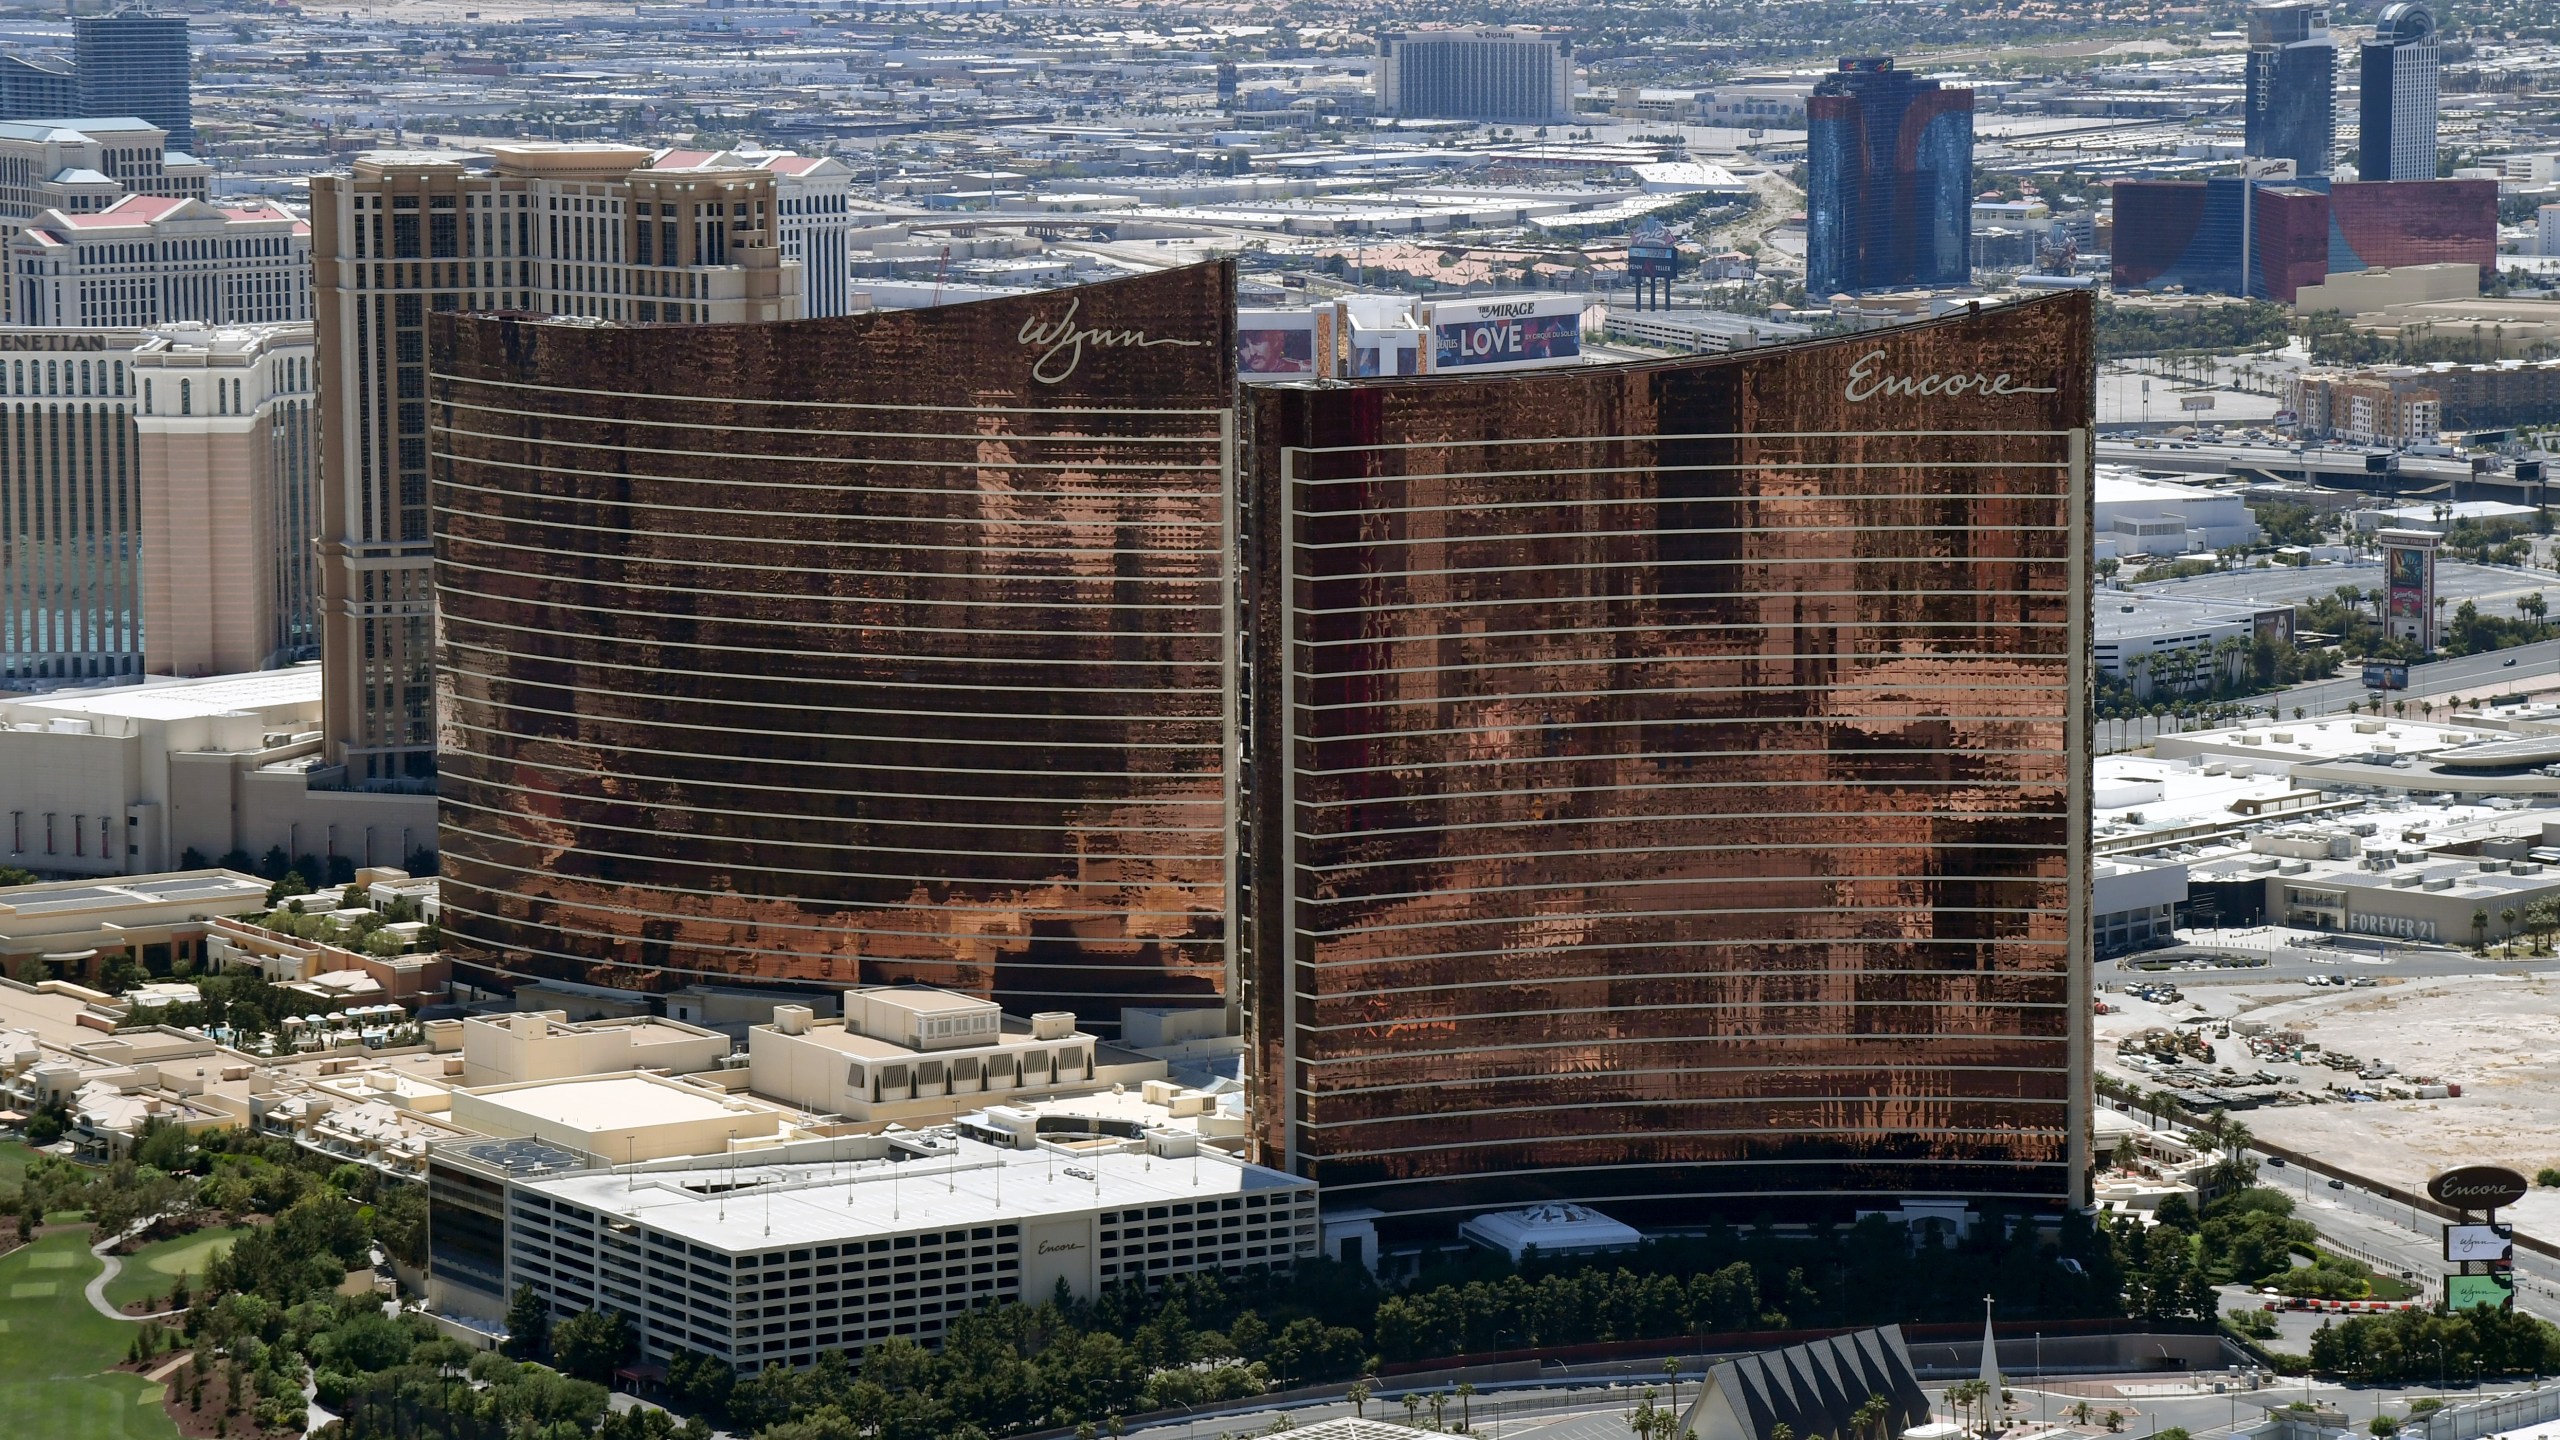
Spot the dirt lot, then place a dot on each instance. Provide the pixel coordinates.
(2498, 1036)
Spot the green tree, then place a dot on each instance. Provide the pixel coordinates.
(528, 1325)
(591, 1343)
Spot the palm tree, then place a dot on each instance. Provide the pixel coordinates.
(1412, 1407)
(1358, 1395)
(2480, 931)
(1867, 1421)
(1466, 1415)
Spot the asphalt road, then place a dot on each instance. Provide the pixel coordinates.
(2470, 675)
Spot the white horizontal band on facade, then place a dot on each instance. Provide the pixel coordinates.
(1080, 411)
(664, 807)
(796, 517)
(1015, 715)
(760, 704)
(867, 517)
(1879, 688)
(851, 961)
(1772, 499)
(1833, 1160)
(814, 903)
(619, 557)
(1706, 817)
(730, 757)
(1972, 1194)
(1316, 771)
(1667, 436)
(1661, 759)
(885, 602)
(936, 742)
(1209, 887)
(1662, 628)
(1384, 897)
(454, 617)
(1599, 949)
(552, 925)
(1867, 784)
(1653, 565)
(976, 490)
(1546, 982)
(1659, 600)
(1453, 1019)
(1686, 912)
(1637, 467)
(489, 960)
(843, 905)
(1630, 1102)
(516, 762)
(795, 623)
(1769, 848)
(1450, 540)
(1060, 856)
(1211, 466)
(1670, 659)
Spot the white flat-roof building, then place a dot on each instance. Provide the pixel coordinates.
(836, 1243)
(2139, 515)
(541, 1045)
(164, 767)
(911, 1052)
(620, 1118)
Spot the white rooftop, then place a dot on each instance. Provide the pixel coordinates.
(188, 699)
(609, 1102)
(967, 1183)
(2332, 739)
(1555, 1228)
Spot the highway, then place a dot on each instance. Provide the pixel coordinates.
(2498, 672)
(2314, 462)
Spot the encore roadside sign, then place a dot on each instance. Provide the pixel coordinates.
(2478, 1187)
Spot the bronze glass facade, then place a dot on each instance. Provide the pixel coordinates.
(877, 648)
(1666, 778)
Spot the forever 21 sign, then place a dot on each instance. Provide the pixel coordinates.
(2478, 1187)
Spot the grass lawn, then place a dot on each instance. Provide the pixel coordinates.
(55, 1352)
(150, 1270)
(14, 1155)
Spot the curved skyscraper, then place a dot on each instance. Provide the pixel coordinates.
(1669, 780)
(881, 648)
(2396, 106)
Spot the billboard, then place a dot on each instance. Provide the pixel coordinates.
(2495, 1243)
(2386, 674)
(2409, 586)
(1277, 344)
(1506, 332)
(2195, 402)
(2462, 1292)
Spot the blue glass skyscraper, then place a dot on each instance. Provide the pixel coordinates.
(2292, 108)
(1890, 196)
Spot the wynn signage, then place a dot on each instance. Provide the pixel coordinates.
(2478, 1187)
(1061, 342)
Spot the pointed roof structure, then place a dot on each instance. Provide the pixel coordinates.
(1813, 1389)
